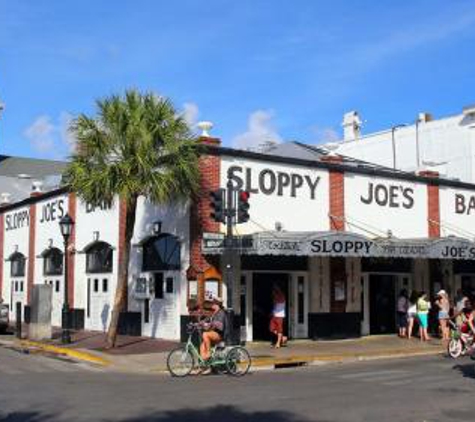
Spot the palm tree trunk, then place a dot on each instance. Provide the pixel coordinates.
(121, 293)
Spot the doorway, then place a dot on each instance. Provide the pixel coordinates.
(382, 303)
(262, 284)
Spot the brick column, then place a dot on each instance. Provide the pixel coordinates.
(433, 204)
(71, 248)
(336, 193)
(31, 253)
(200, 221)
(2, 236)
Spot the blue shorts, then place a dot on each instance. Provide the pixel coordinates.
(423, 320)
(443, 315)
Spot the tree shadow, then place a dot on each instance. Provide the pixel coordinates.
(220, 413)
(25, 417)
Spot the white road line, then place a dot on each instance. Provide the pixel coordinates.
(374, 374)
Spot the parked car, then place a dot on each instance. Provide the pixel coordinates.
(3, 317)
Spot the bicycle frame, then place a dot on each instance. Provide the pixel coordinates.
(213, 360)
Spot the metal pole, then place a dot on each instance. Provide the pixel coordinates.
(393, 129)
(65, 334)
(18, 319)
(230, 212)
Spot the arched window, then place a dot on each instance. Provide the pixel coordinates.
(52, 261)
(99, 258)
(161, 253)
(17, 264)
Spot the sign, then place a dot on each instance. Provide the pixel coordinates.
(52, 211)
(346, 244)
(141, 291)
(17, 220)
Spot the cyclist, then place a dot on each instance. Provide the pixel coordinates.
(214, 329)
(467, 327)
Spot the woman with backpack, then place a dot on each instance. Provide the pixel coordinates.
(423, 306)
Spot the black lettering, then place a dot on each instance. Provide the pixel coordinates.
(369, 199)
(267, 182)
(408, 195)
(249, 187)
(471, 205)
(283, 180)
(459, 204)
(312, 184)
(296, 183)
(393, 196)
(61, 208)
(381, 195)
(316, 246)
(233, 175)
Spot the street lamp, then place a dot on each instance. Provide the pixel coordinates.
(66, 225)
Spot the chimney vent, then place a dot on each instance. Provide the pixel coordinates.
(37, 186)
(5, 198)
(351, 126)
(424, 117)
(205, 128)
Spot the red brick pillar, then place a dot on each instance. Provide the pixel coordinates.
(2, 236)
(72, 203)
(433, 204)
(336, 193)
(200, 221)
(31, 253)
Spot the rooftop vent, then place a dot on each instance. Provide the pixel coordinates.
(37, 186)
(205, 128)
(424, 117)
(469, 110)
(5, 198)
(351, 126)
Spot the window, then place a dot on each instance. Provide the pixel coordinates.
(21, 286)
(146, 314)
(211, 289)
(96, 285)
(158, 285)
(99, 258)
(52, 262)
(105, 285)
(300, 300)
(192, 289)
(161, 253)
(17, 262)
(169, 285)
(57, 286)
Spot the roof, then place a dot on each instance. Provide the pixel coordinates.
(36, 168)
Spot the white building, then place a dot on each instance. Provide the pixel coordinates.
(445, 145)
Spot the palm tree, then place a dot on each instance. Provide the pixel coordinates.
(136, 145)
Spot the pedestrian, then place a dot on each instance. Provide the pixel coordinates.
(443, 303)
(460, 300)
(423, 306)
(276, 325)
(402, 307)
(412, 313)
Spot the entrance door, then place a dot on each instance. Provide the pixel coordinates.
(262, 284)
(18, 294)
(57, 300)
(382, 303)
(299, 306)
(99, 302)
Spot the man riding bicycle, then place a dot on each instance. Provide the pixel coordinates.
(213, 329)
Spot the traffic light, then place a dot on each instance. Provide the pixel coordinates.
(217, 205)
(243, 206)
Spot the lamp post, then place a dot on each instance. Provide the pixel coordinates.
(66, 225)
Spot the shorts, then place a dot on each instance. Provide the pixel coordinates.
(401, 319)
(276, 325)
(443, 315)
(423, 320)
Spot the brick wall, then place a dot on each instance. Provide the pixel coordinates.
(336, 194)
(200, 221)
(433, 204)
(31, 253)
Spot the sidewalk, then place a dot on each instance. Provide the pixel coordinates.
(145, 355)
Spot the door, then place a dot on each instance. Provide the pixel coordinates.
(382, 303)
(262, 284)
(57, 299)
(299, 306)
(98, 302)
(18, 294)
(160, 310)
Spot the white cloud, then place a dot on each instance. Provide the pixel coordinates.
(190, 114)
(259, 131)
(51, 138)
(325, 134)
(41, 134)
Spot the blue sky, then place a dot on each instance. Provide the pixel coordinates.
(257, 69)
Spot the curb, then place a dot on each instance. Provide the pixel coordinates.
(73, 353)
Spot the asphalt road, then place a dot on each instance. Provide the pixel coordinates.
(38, 388)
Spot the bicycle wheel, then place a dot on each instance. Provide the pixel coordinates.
(238, 361)
(455, 348)
(180, 362)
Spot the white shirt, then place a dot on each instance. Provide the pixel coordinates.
(279, 310)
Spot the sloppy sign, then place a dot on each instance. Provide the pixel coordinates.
(345, 244)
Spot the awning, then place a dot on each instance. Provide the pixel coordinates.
(334, 243)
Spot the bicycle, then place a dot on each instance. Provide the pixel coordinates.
(233, 360)
(460, 344)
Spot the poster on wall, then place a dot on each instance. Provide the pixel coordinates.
(211, 289)
(339, 291)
